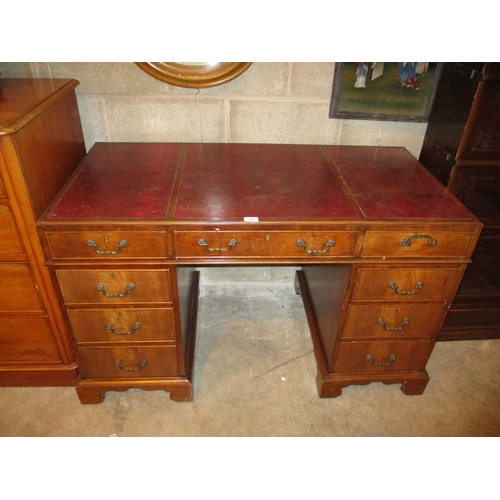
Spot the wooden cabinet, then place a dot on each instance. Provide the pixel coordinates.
(126, 239)
(41, 143)
(462, 149)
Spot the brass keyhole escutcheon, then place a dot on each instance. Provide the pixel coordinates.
(113, 275)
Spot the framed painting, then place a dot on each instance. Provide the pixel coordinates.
(384, 91)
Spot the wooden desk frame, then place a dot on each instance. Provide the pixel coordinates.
(399, 267)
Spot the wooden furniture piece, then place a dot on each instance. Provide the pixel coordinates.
(462, 149)
(41, 143)
(382, 248)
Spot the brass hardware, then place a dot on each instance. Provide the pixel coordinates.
(419, 285)
(392, 358)
(203, 243)
(128, 289)
(407, 242)
(141, 365)
(135, 327)
(92, 244)
(302, 243)
(382, 323)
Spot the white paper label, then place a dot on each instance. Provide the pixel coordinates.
(250, 219)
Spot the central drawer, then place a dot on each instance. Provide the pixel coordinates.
(128, 362)
(122, 325)
(229, 244)
(98, 286)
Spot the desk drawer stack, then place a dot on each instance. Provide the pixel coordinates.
(119, 300)
(394, 314)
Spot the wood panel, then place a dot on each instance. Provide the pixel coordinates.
(115, 286)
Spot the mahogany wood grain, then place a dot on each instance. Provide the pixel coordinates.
(81, 286)
(128, 362)
(9, 235)
(437, 244)
(108, 244)
(123, 325)
(393, 320)
(382, 356)
(27, 339)
(274, 244)
(18, 291)
(384, 284)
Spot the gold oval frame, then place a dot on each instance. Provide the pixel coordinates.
(194, 76)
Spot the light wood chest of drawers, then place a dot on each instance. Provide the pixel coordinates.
(41, 143)
(377, 276)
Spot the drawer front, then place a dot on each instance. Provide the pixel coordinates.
(409, 320)
(114, 286)
(122, 325)
(107, 245)
(10, 241)
(229, 244)
(382, 356)
(418, 244)
(224, 244)
(128, 362)
(27, 339)
(405, 284)
(319, 243)
(18, 291)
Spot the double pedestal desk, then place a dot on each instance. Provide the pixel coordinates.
(380, 244)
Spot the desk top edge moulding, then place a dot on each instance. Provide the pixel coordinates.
(381, 247)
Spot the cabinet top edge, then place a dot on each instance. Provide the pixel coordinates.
(24, 99)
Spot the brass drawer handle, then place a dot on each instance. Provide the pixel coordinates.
(382, 323)
(92, 244)
(136, 326)
(203, 243)
(141, 365)
(128, 289)
(302, 243)
(392, 358)
(419, 285)
(407, 242)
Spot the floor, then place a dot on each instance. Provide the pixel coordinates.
(255, 376)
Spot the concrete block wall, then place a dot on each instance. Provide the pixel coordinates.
(282, 102)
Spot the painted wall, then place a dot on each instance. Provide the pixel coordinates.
(270, 103)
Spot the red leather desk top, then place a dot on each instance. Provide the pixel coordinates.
(189, 182)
